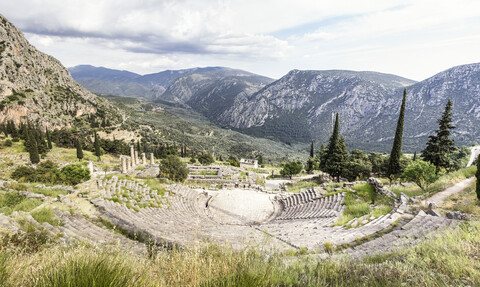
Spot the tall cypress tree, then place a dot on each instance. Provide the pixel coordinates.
(415, 156)
(440, 145)
(477, 175)
(394, 163)
(34, 156)
(49, 139)
(336, 154)
(310, 159)
(79, 149)
(96, 143)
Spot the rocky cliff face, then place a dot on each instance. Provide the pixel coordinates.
(36, 87)
(299, 107)
(212, 93)
(302, 102)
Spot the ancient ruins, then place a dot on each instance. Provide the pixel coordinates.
(130, 163)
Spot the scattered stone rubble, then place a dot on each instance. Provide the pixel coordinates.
(378, 186)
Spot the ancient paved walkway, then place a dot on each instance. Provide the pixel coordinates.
(473, 156)
(439, 197)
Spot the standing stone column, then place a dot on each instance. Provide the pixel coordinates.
(124, 164)
(152, 160)
(132, 156)
(129, 163)
(137, 162)
(90, 167)
(144, 159)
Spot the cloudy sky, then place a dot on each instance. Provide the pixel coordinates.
(414, 39)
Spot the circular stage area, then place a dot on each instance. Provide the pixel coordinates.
(240, 206)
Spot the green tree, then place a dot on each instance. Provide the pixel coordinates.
(96, 143)
(193, 160)
(173, 168)
(260, 160)
(337, 152)
(78, 145)
(49, 139)
(321, 157)
(477, 175)
(233, 161)
(394, 163)
(422, 173)
(414, 156)
(440, 146)
(290, 169)
(206, 159)
(357, 165)
(311, 160)
(32, 147)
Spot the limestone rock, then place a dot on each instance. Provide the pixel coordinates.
(36, 87)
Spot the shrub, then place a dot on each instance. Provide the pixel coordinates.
(25, 173)
(74, 173)
(206, 159)
(421, 173)
(48, 172)
(8, 143)
(233, 161)
(173, 168)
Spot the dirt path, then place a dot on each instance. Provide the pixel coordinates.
(439, 197)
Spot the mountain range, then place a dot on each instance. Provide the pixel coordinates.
(299, 107)
(294, 109)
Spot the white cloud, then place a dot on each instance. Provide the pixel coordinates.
(410, 38)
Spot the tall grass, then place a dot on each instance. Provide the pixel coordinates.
(449, 259)
(465, 201)
(4, 270)
(85, 268)
(358, 204)
(45, 215)
(10, 202)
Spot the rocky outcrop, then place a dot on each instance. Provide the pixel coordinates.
(378, 187)
(36, 87)
(302, 103)
(307, 99)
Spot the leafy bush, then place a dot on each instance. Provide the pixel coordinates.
(74, 173)
(206, 159)
(173, 168)
(25, 173)
(292, 168)
(233, 161)
(48, 172)
(422, 173)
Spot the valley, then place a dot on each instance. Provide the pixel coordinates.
(220, 177)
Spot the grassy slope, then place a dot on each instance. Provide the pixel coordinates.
(181, 125)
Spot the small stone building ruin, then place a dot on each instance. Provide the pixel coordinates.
(248, 163)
